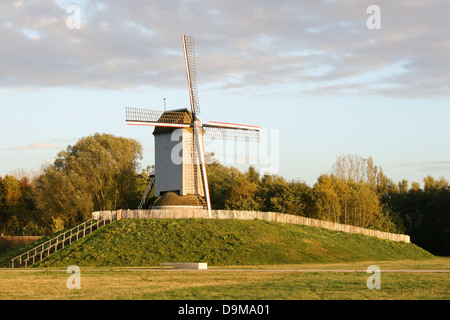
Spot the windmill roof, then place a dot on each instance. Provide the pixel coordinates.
(172, 116)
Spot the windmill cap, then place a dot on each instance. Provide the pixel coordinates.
(185, 119)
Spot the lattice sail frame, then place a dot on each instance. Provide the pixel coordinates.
(148, 117)
(228, 134)
(189, 55)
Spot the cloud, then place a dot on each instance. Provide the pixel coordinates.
(54, 144)
(430, 166)
(39, 146)
(322, 47)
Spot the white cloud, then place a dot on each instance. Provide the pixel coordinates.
(39, 146)
(430, 166)
(323, 46)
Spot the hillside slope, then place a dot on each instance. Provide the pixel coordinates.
(147, 242)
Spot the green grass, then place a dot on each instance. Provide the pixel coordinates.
(295, 284)
(147, 242)
(118, 262)
(315, 286)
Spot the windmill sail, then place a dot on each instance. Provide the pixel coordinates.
(189, 56)
(228, 134)
(146, 117)
(226, 125)
(231, 131)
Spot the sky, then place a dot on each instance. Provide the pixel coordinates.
(321, 78)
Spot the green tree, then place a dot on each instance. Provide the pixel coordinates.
(242, 195)
(99, 172)
(426, 213)
(271, 190)
(299, 199)
(64, 196)
(219, 180)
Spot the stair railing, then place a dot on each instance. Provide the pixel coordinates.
(66, 238)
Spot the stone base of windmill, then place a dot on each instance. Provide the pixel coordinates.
(172, 201)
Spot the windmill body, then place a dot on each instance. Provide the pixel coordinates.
(180, 170)
(182, 173)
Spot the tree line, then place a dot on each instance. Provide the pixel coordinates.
(102, 172)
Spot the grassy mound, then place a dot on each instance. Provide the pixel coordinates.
(148, 242)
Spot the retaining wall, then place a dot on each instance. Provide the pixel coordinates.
(185, 213)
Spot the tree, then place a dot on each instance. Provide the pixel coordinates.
(383, 184)
(367, 194)
(242, 196)
(16, 205)
(64, 196)
(351, 168)
(99, 172)
(426, 214)
(327, 199)
(365, 206)
(252, 175)
(219, 180)
(299, 199)
(108, 165)
(271, 190)
(351, 201)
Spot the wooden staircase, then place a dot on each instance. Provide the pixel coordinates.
(65, 238)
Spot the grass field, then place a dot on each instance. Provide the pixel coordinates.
(347, 281)
(247, 260)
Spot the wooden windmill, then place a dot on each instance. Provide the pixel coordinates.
(179, 149)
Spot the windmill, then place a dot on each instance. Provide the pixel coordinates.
(180, 166)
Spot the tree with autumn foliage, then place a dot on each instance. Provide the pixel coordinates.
(17, 207)
(353, 194)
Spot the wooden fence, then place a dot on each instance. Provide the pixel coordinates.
(185, 213)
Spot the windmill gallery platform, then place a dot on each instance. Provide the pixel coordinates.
(189, 213)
